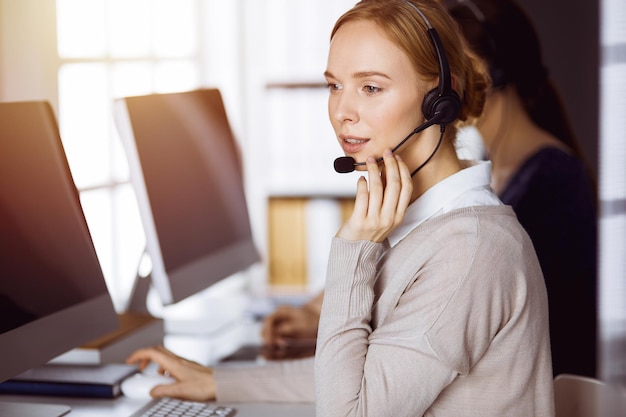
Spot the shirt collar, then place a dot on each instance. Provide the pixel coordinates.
(468, 187)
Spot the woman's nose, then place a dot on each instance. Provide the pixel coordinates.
(343, 108)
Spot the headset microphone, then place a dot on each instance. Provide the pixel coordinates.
(345, 164)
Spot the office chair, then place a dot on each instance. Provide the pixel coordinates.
(579, 396)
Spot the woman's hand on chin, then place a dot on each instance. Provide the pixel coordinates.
(380, 208)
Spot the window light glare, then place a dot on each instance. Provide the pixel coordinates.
(175, 28)
(171, 76)
(84, 120)
(81, 30)
(129, 26)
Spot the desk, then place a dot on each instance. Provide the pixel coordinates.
(121, 407)
(207, 350)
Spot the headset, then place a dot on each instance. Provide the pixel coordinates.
(441, 101)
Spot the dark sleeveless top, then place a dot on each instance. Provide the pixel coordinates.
(552, 196)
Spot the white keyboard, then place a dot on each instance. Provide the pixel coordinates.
(171, 407)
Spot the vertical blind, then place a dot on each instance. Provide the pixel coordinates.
(612, 176)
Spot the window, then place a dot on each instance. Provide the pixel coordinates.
(109, 49)
(115, 48)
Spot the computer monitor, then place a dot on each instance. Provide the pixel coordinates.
(187, 174)
(53, 296)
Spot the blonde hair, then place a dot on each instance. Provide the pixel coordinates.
(408, 30)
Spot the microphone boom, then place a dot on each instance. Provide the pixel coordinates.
(345, 164)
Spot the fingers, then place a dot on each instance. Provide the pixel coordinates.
(198, 384)
(290, 323)
(166, 360)
(398, 190)
(406, 189)
(174, 390)
(384, 197)
(376, 188)
(361, 201)
(379, 209)
(166, 390)
(141, 358)
(267, 330)
(277, 325)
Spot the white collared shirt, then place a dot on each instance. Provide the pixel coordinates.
(466, 188)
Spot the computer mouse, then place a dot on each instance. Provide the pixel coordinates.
(139, 385)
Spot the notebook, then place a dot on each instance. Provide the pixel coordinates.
(89, 381)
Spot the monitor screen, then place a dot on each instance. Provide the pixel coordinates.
(187, 175)
(53, 296)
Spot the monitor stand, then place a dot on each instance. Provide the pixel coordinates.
(137, 329)
(15, 409)
(207, 312)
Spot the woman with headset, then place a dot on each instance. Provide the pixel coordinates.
(537, 168)
(434, 302)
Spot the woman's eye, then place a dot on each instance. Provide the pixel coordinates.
(370, 89)
(333, 87)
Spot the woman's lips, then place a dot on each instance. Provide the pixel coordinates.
(351, 144)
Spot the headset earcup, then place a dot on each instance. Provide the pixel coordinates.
(447, 105)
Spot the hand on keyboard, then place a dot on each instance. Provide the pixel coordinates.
(193, 381)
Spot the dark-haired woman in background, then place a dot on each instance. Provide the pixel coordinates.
(538, 169)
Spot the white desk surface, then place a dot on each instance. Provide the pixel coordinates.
(202, 349)
(122, 407)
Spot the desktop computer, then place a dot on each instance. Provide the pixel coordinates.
(187, 175)
(53, 296)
